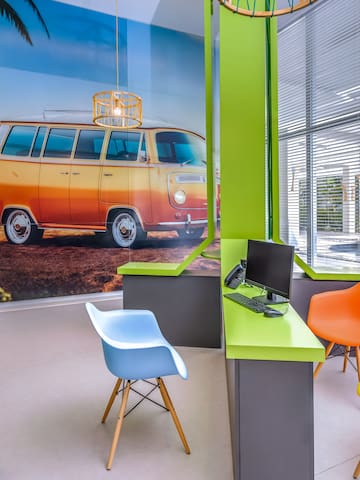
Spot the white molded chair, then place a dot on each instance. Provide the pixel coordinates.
(135, 349)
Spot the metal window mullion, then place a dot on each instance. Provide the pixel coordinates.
(311, 227)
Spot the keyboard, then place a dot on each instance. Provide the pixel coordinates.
(251, 303)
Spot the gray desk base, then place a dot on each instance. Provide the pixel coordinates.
(272, 419)
(187, 307)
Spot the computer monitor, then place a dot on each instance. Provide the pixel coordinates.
(270, 266)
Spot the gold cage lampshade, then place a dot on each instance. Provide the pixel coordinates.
(117, 109)
(274, 8)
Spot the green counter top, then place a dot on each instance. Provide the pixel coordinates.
(252, 336)
(150, 268)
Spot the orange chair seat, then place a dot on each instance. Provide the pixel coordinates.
(335, 316)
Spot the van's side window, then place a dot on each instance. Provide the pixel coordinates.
(38, 142)
(143, 155)
(180, 147)
(19, 141)
(89, 144)
(60, 142)
(123, 146)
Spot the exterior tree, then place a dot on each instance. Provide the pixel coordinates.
(7, 11)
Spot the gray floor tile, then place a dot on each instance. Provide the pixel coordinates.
(54, 387)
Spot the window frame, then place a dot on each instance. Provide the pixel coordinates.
(310, 130)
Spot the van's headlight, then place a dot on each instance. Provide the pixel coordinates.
(180, 197)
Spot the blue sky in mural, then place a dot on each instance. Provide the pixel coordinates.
(55, 78)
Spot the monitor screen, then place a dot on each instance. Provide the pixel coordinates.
(270, 266)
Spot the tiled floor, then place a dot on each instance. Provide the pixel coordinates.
(54, 386)
(337, 422)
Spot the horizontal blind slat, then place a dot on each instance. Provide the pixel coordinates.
(319, 134)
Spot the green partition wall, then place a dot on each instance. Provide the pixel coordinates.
(242, 126)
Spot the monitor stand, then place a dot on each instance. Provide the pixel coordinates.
(271, 299)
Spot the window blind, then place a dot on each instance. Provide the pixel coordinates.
(319, 135)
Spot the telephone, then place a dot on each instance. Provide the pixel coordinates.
(235, 276)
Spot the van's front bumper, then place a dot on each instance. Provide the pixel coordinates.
(189, 222)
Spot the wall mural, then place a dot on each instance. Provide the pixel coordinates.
(77, 200)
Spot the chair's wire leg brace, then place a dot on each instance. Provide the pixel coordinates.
(145, 397)
(127, 386)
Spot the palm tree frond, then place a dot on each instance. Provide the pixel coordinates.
(38, 14)
(8, 12)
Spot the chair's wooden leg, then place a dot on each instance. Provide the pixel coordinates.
(168, 403)
(118, 425)
(346, 358)
(327, 352)
(357, 352)
(356, 471)
(111, 399)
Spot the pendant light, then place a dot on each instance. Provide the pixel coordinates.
(116, 108)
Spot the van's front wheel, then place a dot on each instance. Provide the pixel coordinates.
(20, 228)
(126, 230)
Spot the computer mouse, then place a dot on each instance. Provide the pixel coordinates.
(272, 313)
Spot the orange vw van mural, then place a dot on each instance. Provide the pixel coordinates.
(119, 184)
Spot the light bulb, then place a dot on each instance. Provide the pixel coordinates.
(117, 111)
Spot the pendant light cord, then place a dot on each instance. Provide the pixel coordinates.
(117, 44)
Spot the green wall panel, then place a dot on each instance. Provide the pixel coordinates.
(242, 126)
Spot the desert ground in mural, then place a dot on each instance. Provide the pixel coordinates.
(75, 262)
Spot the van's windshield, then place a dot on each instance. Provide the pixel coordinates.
(181, 148)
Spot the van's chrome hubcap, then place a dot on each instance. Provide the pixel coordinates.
(124, 229)
(18, 226)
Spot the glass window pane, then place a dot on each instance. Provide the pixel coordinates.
(89, 144)
(38, 142)
(123, 146)
(180, 147)
(19, 141)
(319, 131)
(143, 154)
(60, 142)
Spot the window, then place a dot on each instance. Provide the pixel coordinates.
(60, 143)
(143, 154)
(123, 146)
(319, 132)
(38, 142)
(19, 141)
(180, 147)
(89, 144)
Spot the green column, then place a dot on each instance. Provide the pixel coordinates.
(242, 126)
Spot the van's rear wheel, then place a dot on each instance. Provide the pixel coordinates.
(20, 228)
(126, 230)
(190, 233)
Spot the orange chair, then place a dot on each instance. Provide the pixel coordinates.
(335, 317)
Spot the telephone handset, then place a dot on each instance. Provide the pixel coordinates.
(236, 275)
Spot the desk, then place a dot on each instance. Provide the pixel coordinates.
(187, 307)
(270, 386)
(252, 336)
